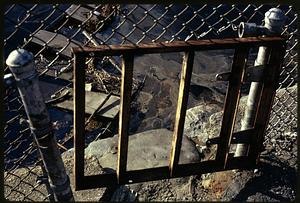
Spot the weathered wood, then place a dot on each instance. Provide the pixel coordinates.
(97, 181)
(126, 87)
(271, 78)
(79, 115)
(231, 103)
(211, 166)
(55, 42)
(223, 160)
(178, 46)
(159, 173)
(186, 74)
(109, 110)
(80, 14)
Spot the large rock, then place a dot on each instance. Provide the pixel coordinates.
(146, 150)
(204, 121)
(197, 121)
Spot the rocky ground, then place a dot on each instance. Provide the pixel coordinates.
(273, 180)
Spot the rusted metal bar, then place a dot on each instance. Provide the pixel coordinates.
(21, 64)
(271, 78)
(231, 103)
(176, 46)
(79, 116)
(186, 75)
(126, 87)
(160, 173)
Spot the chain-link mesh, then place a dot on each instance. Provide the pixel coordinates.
(40, 28)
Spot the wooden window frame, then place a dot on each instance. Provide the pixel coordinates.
(223, 161)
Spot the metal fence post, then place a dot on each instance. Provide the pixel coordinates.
(21, 64)
(274, 22)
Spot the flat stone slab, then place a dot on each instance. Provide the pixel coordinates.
(92, 100)
(80, 14)
(148, 149)
(56, 42)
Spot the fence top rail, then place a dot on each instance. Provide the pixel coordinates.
(177, 46)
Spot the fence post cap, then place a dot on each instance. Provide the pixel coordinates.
(19, 58)
(275, 14)
(274, 20)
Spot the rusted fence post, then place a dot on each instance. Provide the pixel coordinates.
(274, 22)
(21, 64)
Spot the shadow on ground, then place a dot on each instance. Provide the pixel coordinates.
(274, 181)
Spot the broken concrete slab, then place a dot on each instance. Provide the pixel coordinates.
(92, 100)
(80, 14)
(56, 42)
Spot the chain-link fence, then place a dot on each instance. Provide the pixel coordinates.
(49, 31)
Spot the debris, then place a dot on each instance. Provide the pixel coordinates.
(60, 124)
(123, 194)
(55, 98)
(24, 122)
(55, 42)
(98, 108)
(64, 69)
(61, 146)
(88, 86)
(8, 79)
(92, 99)
(192, 185)
(206, 183)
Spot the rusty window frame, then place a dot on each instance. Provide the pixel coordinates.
(222, 161)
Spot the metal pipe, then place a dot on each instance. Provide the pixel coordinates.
(251, 30)
(274, 21)
(21, 64)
